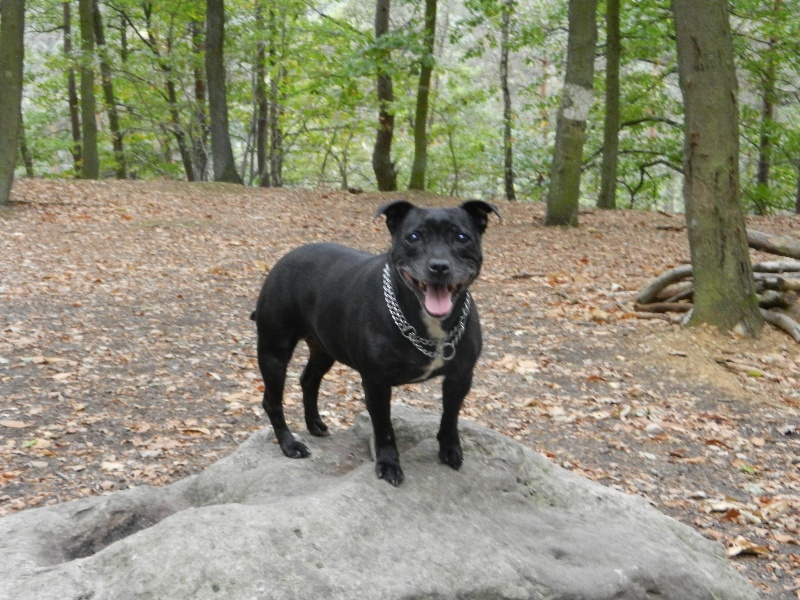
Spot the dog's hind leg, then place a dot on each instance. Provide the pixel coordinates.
(319, 363)
(273, 365)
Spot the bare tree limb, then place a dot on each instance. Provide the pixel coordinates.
(648, 294)
(660, 307)
(782, 322)
(774, 244)
(777, 266)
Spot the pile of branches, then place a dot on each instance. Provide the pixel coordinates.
(777, 284)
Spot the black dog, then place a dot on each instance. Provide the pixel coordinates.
(400, 317)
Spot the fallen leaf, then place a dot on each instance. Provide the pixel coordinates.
(741, 546)
(773, 509)
(14, 424)
(716, 442)
(782, 538)
(196, 431)
(725, 506)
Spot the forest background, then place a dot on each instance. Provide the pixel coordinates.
(303, 104)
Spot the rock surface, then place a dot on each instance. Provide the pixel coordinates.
(258, 525)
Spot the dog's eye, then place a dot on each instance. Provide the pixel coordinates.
(462, 237)
(413, 237)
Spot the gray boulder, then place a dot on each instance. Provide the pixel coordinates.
(258, 525)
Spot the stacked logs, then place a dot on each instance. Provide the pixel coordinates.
(777, 284)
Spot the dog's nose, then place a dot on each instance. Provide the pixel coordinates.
(439, 267)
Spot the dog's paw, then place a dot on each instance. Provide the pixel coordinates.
(452, 456)
(389, 471)
(318, 428)
(294, 449)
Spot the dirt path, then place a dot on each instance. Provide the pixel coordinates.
(127, 358)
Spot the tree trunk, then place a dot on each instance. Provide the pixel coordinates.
(72, 91)
(221, 150)
(765, 138)
(12, 33)
(797, 190)
(725, 294)
(165, 65)
(108, 93)
(24, 150)
(382, 165)
(262, 104)
(123, 39)
(608, 170)
(576, 100)
(508, 115)
(765, 133)
(419, 167)
(177, 128)
(90, 165)
(200, 139)
(276, 35)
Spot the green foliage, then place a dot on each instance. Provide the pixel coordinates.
(767, 42)
(323, 59)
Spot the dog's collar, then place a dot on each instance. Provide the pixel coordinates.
(444, 348)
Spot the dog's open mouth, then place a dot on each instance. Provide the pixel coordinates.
(437, 299)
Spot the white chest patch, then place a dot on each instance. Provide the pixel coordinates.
(435, 332)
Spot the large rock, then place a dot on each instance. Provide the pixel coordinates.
(258, 525)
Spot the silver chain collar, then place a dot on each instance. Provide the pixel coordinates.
(442, 348)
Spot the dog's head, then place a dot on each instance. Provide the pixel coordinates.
(437, 251)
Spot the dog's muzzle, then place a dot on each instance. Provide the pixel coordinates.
(435, 294)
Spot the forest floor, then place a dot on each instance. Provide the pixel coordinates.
(127, 356)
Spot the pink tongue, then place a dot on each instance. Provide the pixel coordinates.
(437, 300)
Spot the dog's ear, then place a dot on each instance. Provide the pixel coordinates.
(395, 213)
(479, 211)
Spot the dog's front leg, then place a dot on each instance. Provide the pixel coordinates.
(387, 459)
(454, 390)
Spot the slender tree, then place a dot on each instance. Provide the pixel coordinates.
(165, 65)
(608, 170)
(108, 93)
(90, 163)
(221, 149)
(200, 137)
(270, 72)
(72, 90)
(382, 164)
(768, 89)
(797, 190)
(24, 150)
(262, 103)
(576, 100)
(419, 167)
(275, 52)
(765, 143)
(12, 32)
(508, 115)
(724, 290)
